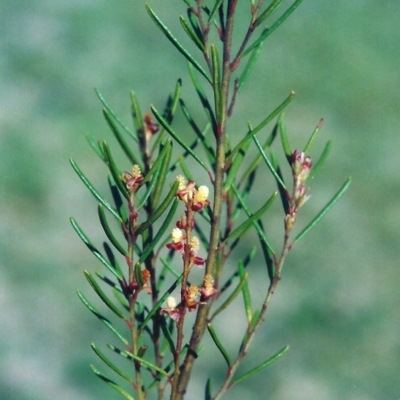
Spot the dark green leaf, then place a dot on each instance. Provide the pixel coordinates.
(147, 363)
(160, 302)
(96, 147)
(95, 193)
(94, 250)
(201, 135)
(322, 213)
(103, 296)
(232, 296)
(160, 233)
(138, 121)
(108, 232)
(175, 42)
(245, 226)
(165, 124)
(245, 291)
(250, 65)
(160, 210)
(112, 383)
(102, 318)
(115, 116)
(268, 162)
(256, 161)
(114, 170)
(192, 34)
(284, 138)
(208, 395)
(167, 335)
(217, 85)
(110, 364)
(124, 145)
(162, 176)
(313, 136)
(214, 11)
(272, 359)
(266, 32)
(321, 161)
(261, 125)
(260, 231)
(203, 98)
(269, 10)
(219, 345)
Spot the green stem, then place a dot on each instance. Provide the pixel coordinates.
(211, 264)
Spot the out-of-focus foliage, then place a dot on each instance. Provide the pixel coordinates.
(338, 308)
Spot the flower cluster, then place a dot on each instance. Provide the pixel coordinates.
(190, 299)
(195, 199)
(132, 180)
(301, 167)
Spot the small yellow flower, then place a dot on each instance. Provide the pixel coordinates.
(195, 244)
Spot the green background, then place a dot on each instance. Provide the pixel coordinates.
(338, 303)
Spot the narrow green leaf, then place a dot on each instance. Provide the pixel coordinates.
(120, 139)
(115, 116)
(118, 201)
(263, 123)
(232, 296)
(321, 161)
(268, 162)
(217, 85)
(162, 176)
(147, 251)
(109, 282)
(266, 32)
(208, 390)
(165, 124)
(219, 345)
(111, 383)
(108, 232)
(282, 191)
(94, 250)
(269, 10)
(92, 189)
(245, 291)
(313, 136)
(137, 115)
(102, 318)
(203, 98)
(235, 165)
(175, 42)
(160, 302)
(102, 295)
(138, 275)
(192, 34)
(167, 335)
(114, 170)
(107, 361)
(214, 11)
(259, 230)
(252, 324)
(284, 138)
(245, 226)
(272, 359)
(160, 210)
(147, 363)
(257, 159)
(250, 65)
(201, 135)
(246, 262)
(322, 213)
(96, 147)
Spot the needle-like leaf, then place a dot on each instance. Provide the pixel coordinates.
(175, 42)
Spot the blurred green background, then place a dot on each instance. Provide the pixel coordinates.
(338, 304)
